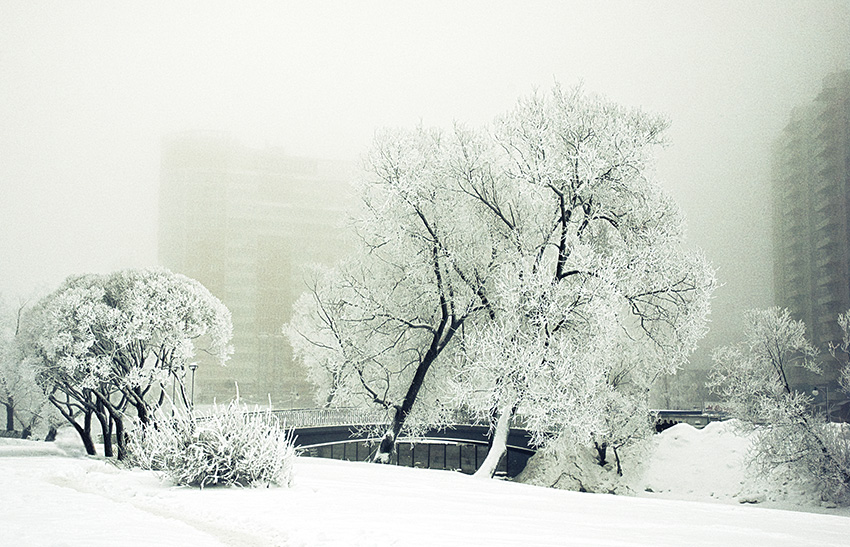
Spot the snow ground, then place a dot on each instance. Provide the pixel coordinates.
(52, 495)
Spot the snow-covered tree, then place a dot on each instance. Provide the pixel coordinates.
(841, 351)
(598, 295)
(752, 380)
(373, 330)
(103, 344)
(25, 404)
(506, 270)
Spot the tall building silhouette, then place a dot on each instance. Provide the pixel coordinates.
(246, 223)
(811, 216)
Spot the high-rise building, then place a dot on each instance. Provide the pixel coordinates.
(247, 223)
(811, 216)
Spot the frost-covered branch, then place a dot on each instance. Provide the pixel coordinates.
(105, 340)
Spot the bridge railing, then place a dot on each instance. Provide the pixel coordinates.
(317, 417)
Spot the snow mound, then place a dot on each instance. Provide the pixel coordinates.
(711, 464)
(682, 463)
(67, 443)
(19, 448)
(696, 464)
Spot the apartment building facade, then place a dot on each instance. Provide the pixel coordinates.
(811, 216)
(247, 223)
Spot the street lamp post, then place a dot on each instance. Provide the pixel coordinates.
(193, 367)
(815, 392)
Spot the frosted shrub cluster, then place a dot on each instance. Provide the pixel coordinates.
(793, 442)
(228, 446)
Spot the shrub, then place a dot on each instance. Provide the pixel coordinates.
(806, 452)
(752, 380)
(228, 446)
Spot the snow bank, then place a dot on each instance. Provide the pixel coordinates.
(696, 464)
(19, 448)
(682, 463)
(80, 501)
(710, 464)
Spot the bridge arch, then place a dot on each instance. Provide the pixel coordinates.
(344, 434)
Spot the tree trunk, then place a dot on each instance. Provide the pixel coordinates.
(120, 435)
(387, 446)
(441, 337)
(84, 431)
(10, 414)
(138, 401)
(617, 459)
(106, 429)
(116, 418)
(601, 453)
(499, 446)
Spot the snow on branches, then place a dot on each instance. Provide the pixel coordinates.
(506, 269)
(227, 446)
(25, 403)
(101, 344)
(793, 442)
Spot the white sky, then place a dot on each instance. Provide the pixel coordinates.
(88, 89)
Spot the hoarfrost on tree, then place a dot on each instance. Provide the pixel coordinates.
(102, 344)
(505, 268)
(25, 403)
(752, 378)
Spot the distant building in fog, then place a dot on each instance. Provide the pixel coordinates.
(811, 215)
(245, 223)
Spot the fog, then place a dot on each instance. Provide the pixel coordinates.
(88, 90)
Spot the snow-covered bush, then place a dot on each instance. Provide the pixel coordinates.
(567, 465)
(815, 456)
(792, 442)
(228, 446)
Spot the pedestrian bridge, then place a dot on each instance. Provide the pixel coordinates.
(349, 434)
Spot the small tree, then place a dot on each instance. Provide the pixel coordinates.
(841, 352)
(24, 402)
(752, 380)
(103, 344)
